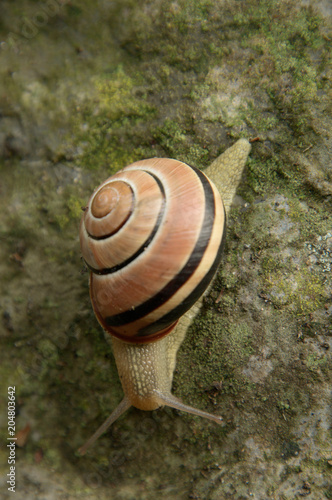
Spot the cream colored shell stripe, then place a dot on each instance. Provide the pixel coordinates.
(183, 275)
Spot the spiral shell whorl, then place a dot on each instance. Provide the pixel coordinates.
(152, 237)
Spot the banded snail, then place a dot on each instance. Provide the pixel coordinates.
(152, 236)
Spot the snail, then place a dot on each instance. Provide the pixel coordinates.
(152, 237)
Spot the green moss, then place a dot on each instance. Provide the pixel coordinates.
(125, 117)
(282, 405)
(301, 291)
(315, 362)
(271, 264)
(314, 219)
(74, 206)
(258, 120)
(214, 353)
(238, 342)
(118, 105)
(53, 456)
(116, 98)
(64, 212)
(177, 143)
(48, 360)
(171, 135)
(283, 56)
(61, 220)
(48, 350)
(261, 174)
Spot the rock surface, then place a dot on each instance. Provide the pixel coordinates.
(88, 87)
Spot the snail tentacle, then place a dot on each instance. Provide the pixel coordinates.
(119, 410)
(173, 402)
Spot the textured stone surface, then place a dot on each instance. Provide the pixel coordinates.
(86, 88)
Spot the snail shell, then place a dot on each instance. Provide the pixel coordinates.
(152, 236)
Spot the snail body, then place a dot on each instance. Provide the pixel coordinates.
(152, 236)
